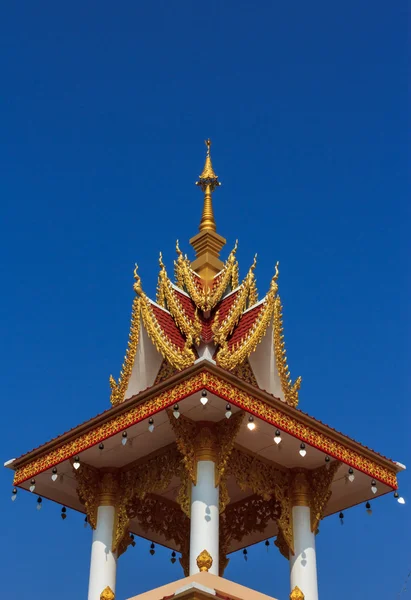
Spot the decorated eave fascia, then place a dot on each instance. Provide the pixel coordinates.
(226, 386)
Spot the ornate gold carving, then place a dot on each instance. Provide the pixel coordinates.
(321, 480)
(88, 491)
(243, 518)
(184, 493)
(152, 475)
(282, 544)
(108, 488)
(107, 594)
(295, 424)
(222, 330)
(209, 441)
(244, 372)
(167, 298)
(226, 431)
(180, 359)
(206, 298)
(118, 389)
(301, 492)
(269, 483)
(290, 389)
(230, 357)
(156, 514)
(297, 594)
(124, 544)
(165, 371)
(186, 431)
(204, 561)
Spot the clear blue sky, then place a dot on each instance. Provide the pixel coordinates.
(104, 109)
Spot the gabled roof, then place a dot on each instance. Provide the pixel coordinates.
(222, 314)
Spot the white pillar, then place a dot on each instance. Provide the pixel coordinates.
(204, 526)
(303, 564)
(103, 560)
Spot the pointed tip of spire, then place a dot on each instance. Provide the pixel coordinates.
(208, 175)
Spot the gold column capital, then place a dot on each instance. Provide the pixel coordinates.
(301, 494)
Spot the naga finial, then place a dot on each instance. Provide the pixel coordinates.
(160, 261)
(137, 285)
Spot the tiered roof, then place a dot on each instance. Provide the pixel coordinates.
(206, 314)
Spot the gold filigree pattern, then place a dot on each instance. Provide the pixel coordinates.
(186, 431)
(245, 372)
(243, 518)
(88, 490)
(225, 432)
(165, 371)
(167, 298)
(294, 423)
(156, 514)
(212, 442)
(320, 481)
(146, 477)
(268, 482)
(290, 389)
(206, 298)
(118, 389)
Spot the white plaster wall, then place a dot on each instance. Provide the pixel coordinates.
(146, 364)
(264, 366)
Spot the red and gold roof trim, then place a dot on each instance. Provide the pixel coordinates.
(287, 419)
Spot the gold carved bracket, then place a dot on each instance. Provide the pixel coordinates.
(210, 441)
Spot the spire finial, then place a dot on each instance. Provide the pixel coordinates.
(207, 243)
(208, 181)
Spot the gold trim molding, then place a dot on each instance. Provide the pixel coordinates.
(238, 394)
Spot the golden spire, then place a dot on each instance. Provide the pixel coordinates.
(208, 181)
(207, 243)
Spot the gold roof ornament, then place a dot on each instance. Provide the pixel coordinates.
(207, 243)
(204, 561)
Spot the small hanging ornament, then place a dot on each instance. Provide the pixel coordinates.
(173, 557)
(32, 485)
(368, 508)
(152, 549)
(267, 544)
(14, 495)
(245, 554)
(63, 513)
(124, 438)
(85, 522)
(342, 518)
(54, 475)
(39, 501)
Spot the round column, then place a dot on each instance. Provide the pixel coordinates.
(303, 563)
(103, 565)
(204, 525)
